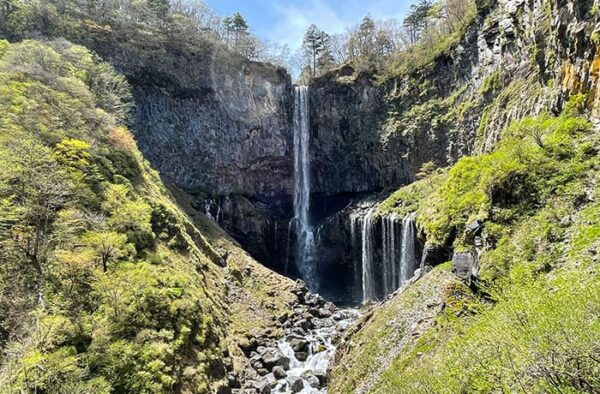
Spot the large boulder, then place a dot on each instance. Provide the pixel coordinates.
(273, 358)
(295, 384)
(465, 265)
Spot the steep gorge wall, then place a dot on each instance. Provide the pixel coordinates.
(518, 58)
(219, 127)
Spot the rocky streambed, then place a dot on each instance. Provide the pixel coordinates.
(297, 362)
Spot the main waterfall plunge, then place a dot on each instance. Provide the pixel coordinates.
(304, 255)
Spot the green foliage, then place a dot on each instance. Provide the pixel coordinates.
(542, 338)
(576, 104)
(82, 311)
(3, 47)
(533, 325)
(537, 158)
(492, 83)
(150, 317)
(434, 31)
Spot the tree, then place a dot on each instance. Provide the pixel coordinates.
(236, 28)
(205, 17)
(315, 44)
(366, 36)
(339, 47)
(107, 246)
(161, 7)
(33, 188)
(417, 19)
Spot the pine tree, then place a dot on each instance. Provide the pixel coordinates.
(417, 19)
(237, 27)
(316, 47)
(366, 36)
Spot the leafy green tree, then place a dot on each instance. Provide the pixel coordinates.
(108, 246)
(33, 188)
(130, 216)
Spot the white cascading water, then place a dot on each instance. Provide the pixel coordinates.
(398, 260)
(391, 258)
(304, 233)
(367, 230)
(321, 350)
(408, 262)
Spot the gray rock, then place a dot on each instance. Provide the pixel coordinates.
(322, 376)
(311, 379)
(465, 265)
(262, 371)
(324, 313)
(279, 372)
(299, 345)
(295, 384)
(263, 386)
(273, 358)
(271, 379)
(301, 356)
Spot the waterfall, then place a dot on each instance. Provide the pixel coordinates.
(368, 282)
(208, 206)
(304, 234)
(408, 262)
(397, 245)
(391, 258)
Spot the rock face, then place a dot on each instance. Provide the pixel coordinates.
(347, 112)
(219, 127)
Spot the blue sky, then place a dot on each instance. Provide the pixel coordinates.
(285, 21)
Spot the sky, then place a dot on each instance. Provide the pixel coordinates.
(285, 21)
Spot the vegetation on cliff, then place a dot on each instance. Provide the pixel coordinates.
(102, 288)
(151, 24)
(107, 286)
(532, 323)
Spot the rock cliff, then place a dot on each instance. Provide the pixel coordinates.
(219, 127)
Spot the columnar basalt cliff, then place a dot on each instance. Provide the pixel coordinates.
(347, 112)
(222, 130)
(219, 127)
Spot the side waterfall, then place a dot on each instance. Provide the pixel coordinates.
(368, 275)
(408, 261)
(384, 273)
(304, 233)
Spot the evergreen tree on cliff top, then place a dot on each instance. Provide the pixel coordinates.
(316, 48)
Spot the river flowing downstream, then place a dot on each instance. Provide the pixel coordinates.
(320, 344)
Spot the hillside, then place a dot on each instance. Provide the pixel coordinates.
(178, 218)
(525, 316)
(107, 284)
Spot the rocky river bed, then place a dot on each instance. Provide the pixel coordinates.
(297, 362)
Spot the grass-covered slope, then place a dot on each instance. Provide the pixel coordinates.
(530, 323)
(106, 285)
